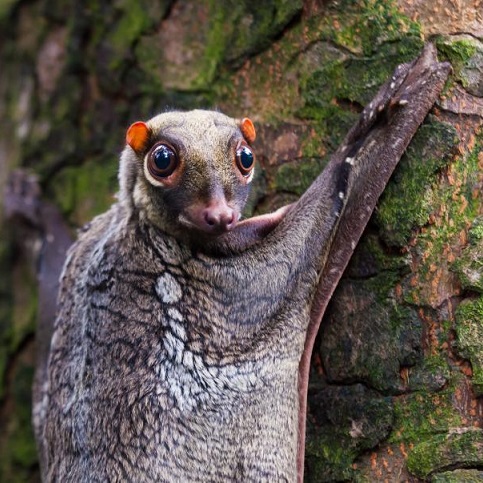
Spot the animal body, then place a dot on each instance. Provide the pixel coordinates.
(181, 346)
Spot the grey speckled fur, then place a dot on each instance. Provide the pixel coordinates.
(176, 357)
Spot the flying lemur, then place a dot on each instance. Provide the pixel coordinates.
(181, 347)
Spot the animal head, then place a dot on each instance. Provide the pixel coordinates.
(189, 173)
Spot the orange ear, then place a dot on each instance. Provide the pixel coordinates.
(137, 135)
(248, 130)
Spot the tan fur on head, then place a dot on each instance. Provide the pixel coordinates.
(205, 143)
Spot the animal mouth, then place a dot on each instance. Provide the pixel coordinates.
(213, 229)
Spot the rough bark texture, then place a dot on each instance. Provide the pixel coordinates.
(397, 383)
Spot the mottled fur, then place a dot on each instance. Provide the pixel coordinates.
(176, 355)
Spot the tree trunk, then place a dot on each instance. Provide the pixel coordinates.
(397, 381)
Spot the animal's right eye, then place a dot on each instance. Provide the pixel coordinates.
(162, 161)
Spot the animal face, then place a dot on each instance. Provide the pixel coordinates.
(193, 170)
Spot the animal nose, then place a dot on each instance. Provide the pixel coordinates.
(218, 215)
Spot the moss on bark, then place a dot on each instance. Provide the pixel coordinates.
(447, 450)
(469, 330)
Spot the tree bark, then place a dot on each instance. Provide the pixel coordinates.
(397, 373)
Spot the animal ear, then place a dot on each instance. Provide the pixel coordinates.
(248, 130)
(137, 136)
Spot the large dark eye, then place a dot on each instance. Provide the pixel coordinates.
(245, 160)
(162, 161)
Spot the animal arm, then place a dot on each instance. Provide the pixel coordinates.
(353, 181)
(372, 149)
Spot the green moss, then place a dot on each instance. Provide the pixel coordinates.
(362, 26)
(431, 375)
(469, 330)
(178, 55)
(329, 460)
(373, 28)
(346, 421)
(374, 338)
(421, 415)
(353, 79)
(239, 29)
(330, 92)
(463, 447)
(242, 28)
(135, 18)
(469, 266)
(269, 80)
(475, 234)
(215, 45)
(458, 476)
(18, 454)
(297, 177)
(455, 204)
(458, 51)
(85, 191)
(409, 198)
(55, 136)
(370, 258)
(6, 8)
(337, 84)
(466, 55)
(331, 128)
(310, 72)
(23, 447)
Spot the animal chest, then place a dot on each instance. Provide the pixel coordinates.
(170, 365)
